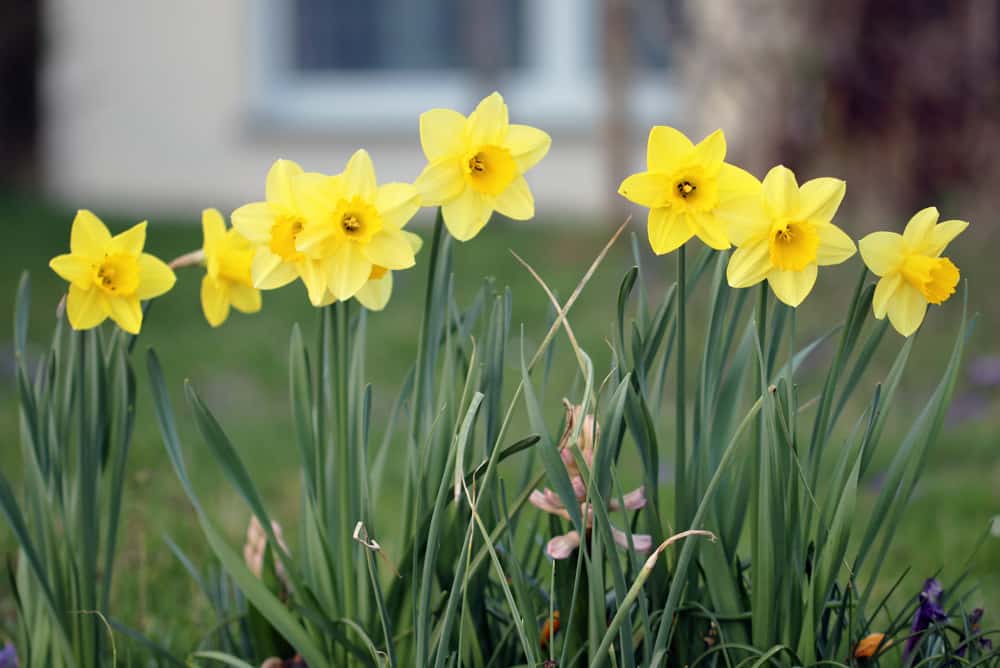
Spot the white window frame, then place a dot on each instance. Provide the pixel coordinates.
(558, 88)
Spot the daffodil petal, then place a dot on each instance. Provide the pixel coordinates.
(254, 221)
(884, 291)
(749, 264)
(245, 298)
(442, 133)
(316, 276)
(348, 270)
(397, 203)
(214, 300)
(73, 268)
(710, 151)
(155, 277)
(943, 234)
(317, 194)
(86, 308)
(834, 245)
(374, 294)
(488, 123)
(792, 287)
(312, 237)
(416, 243)
(649, 189)
(918, 230)
(882, 252)
(667, 230)
(270, 271)
(820, 198)
(527, 145)
(710, 230)
(278, 187)
(213, 227)
(666, 148)
(906, 309)
(745, 218)
(780, 192)
(89, 237)
(516, 201)
(127, 313)
(440, 181)
(388, 249)
(466, 214)
(734, 182)
(359, 175)
(129, 242)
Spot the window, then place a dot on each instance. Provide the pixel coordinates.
(376, 64)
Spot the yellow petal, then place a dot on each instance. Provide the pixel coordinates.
(155, 277)
(269, 271)
(313, 237)
(374, 294)
(396, 203)
(442, 133)
(86, 308)
(214, 300)
(820, 198)
(527, 145)
(278, 188)
(666, 148)
(244, 298)
(348, 270)
(780, 192)
(749, 264)
(710, 230)
(735, 182)
(73, 268)
(516, 201)
(416, 243)
(440, 181)
(129, 242)
(127, 313)
(359, 176)
(834, 245)
(884, 291)
(906, 309)
(387, 249)
(650, 189)
(488, 123)
(317, 194)
(943, 233)
(745, 217)
(667, 230)
(882, 252)
(213, 227)
(710, 151)
(316, 276)
(89, 236)
(466, 214)
(918, 231)
(254, 221)
(792, 287)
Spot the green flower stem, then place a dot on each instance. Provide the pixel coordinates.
(680, 502)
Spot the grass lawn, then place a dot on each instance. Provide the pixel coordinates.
(240, 369)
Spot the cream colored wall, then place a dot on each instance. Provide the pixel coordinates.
(147, 110)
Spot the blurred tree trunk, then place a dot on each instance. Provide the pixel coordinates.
(20, 55)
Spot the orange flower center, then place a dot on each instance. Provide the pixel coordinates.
(935, 277)
(793, 245)
(283, 234)
(490, 169)
(117, 275)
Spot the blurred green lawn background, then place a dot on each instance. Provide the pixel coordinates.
(241, 371)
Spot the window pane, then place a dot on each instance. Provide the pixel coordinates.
(407, 34)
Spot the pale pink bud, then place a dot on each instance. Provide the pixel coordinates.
(640, 541)
(561, 547)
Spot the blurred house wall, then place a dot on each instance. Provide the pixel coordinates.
(151, 106)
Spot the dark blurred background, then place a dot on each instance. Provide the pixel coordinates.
(159, 109)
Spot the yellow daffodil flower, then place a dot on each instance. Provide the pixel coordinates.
(272, 227)
(911, 271)
(227, 282)
(351, 226)
(682, 187)
(784, 234)
(375, 293)
(109, 275)
(476, 165)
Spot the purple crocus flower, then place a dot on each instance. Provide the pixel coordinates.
(972, 621)
(929, 611)
(8, 656)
